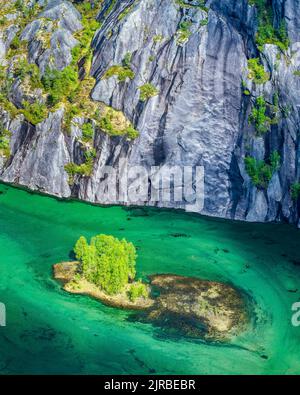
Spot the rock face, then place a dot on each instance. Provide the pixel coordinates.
(196, 58)
(39, 156)
(50, 34)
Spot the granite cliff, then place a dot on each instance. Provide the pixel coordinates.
(161, 83)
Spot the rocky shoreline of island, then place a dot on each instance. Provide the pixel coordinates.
(186, 306)
(66, 272)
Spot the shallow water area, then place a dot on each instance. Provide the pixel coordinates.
(50, 331)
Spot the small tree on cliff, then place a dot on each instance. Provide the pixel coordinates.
(107, 262)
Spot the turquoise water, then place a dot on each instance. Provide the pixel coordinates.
(49, 331)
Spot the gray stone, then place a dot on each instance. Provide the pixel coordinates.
(39, 161)
(63, 11)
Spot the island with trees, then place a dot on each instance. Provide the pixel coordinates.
(105, 269)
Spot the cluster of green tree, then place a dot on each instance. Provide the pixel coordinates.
(87, 132)
(60, 84)
(34, 112)
(123, 72)
(260, 171)
(110, 264)
(24, 70)
(90, 26)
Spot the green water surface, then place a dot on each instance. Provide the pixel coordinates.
(51, 332)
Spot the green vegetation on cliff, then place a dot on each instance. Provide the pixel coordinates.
(267, 33)
(184, 32)
(4, 141)
(295, 191)
(85, 169)
(260, 171)
(147, 91)
(114, 123)
(28, 71)
(257, 72)
(264, 114)
(34, 112)
(60, 87)
(258, 116)
(87, 132)
(122, 72)
(196, 4)
(60, 84)
(69, 88)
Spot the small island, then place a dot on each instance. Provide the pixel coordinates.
(105, 269)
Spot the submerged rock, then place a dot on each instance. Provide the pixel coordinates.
(181, 305)
(197, 308)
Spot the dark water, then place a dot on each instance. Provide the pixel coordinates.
(49, 331)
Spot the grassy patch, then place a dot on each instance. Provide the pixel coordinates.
(147, 91)
(115, 123)
(87, 132)
(121, 72)
(34, 112)
(85, 169)
(257, 72)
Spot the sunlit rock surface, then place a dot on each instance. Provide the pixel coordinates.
(200, 116)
